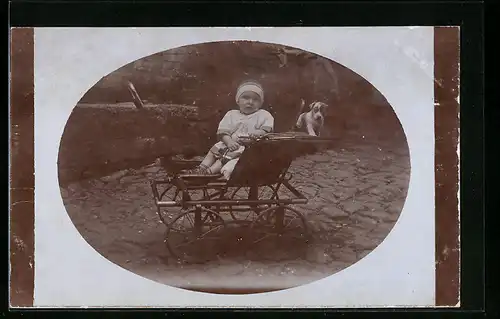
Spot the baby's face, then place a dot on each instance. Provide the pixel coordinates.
(249, 102)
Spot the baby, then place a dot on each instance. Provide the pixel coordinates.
(249, 121)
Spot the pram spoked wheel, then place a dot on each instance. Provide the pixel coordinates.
(280, 229)
(194, 236)
(245, 193)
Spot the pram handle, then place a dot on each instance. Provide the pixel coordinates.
(285, 136)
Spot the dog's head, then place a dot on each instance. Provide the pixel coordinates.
(318, 110)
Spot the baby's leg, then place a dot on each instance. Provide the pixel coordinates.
(216, 166)
(237, 153)
(209, 160)
(227, 169)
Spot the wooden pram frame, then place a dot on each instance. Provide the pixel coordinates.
(272, 217)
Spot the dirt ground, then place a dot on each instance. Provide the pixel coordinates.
(355, 194)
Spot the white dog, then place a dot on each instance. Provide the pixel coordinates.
(312, 120)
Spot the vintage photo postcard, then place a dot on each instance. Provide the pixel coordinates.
(235, 167)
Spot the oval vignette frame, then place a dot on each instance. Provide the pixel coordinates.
(371, 164)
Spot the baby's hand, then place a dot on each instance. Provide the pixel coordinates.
(232, 145)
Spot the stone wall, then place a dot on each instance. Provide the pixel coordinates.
(100, 138)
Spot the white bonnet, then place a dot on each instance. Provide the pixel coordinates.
(250, 86)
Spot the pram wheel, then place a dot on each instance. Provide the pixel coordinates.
(194, 236)
(262, 193)
(280, 230)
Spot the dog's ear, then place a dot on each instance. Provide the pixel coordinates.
(323, 105)
(311, 105)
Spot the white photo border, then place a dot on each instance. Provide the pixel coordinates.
(398, 61)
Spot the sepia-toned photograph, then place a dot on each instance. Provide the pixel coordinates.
(233, 167)
(158, 164)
